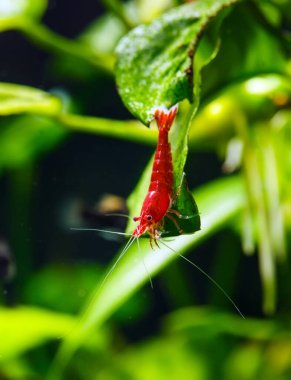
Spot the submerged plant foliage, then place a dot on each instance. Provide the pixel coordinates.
(227, 63)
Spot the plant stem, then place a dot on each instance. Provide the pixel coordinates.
(129, 130)
(46, 38)
(272, 192)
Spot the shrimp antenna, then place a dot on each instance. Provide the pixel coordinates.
(145, 267)
(118, 214)
(99, 230)
(127, 246)
(209, 278)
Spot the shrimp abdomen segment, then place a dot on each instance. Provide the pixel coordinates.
(165, 118)
(162, 173)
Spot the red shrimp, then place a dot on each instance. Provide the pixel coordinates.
(159, 199)
(160, 194)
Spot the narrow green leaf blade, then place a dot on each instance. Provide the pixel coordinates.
(15, 99)
(219, 202)
(22, 8)
(24, 328)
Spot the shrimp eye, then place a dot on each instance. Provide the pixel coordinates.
(149, 217)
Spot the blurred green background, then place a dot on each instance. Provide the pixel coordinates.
(67, 140)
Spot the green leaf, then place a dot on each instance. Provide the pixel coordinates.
(22, 8)
(185, 204)
(217, 322)
(23, 328)
(155, 61)
(219, 202)
(16, 99)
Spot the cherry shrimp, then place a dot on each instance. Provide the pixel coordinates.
(157, 203)
(159, 200)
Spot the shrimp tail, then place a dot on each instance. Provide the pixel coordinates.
(165, 117)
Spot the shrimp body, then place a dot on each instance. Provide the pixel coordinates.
(159, 199)
(160, 193)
